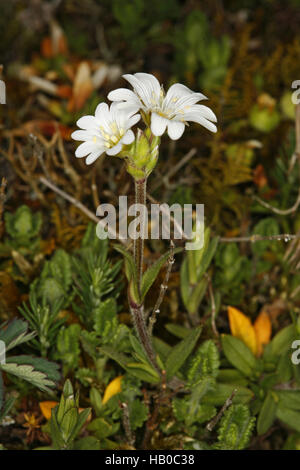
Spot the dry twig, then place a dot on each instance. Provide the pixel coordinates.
(126, 423)
(210, 426)
(163, 288)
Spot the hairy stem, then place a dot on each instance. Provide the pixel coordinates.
(138, 247)
(137, 311)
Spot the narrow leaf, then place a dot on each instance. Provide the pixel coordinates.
(267, 414)
(152, 272)
(238, 354)
(181, 352)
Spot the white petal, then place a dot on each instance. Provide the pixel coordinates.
(128, 138)
(114, 150)
(175, 129)
(129, 108)
(93, 156)
(150, 81)
(179, 93)
(204, 111)
(87, 122)
(133, 120)
(142, 88)
(84, 149)
(158, 124)
(123, 94)
(196, 117)
(180, 90)
(101, 109)
(81, 135)
(186, 102)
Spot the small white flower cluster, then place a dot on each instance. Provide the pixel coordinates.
(110, 129)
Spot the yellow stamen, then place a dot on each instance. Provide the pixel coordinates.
(114, 127)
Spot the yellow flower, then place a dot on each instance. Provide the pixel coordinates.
(112, 389)
(254, 336)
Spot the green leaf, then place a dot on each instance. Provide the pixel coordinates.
(267, 414)
(162, 348)
(96, 400)
(23, 225)
(83, 416)
(15, 333)
(131, 272)
(40, 364)
(232, 376)
(284, 369)
(139, 350)
(1, 391)
(143, 372)
(207, 257)
(59, 267)
(178, 330)
(282, 341)
(7, 407)
(68, 346)
(205, 363)
(196, 296)
(116, 356)
(57, 439)
(26, 372)
(289, 399)
(239, 355)
(152, 272)
(104, 315)
(130, 266)
(102, 428)
(289, 417)
(195, 257)
(87, 443)
(138, 414)
(181, 352)
(221, 392)
(235, 428)
(184, 282)
(266, 227)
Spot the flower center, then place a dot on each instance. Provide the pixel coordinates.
(112, 137)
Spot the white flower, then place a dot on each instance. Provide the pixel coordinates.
(171, 110)
(107, 131)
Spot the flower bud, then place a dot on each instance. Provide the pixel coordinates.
(143, 155)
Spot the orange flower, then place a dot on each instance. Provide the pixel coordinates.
(46, 407)
(254, 336)
(263, 330)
